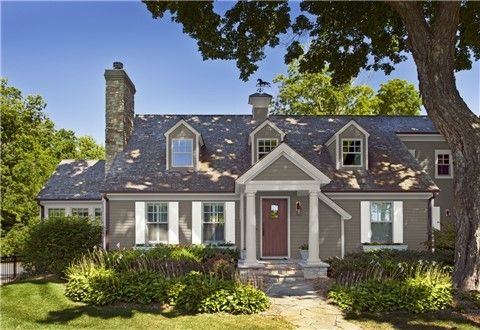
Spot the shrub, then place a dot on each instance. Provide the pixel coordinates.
(97, 286)
(54, 243)
(445, 238)
(143, 287)
(13, 243)
(418, 289)
(242, 299)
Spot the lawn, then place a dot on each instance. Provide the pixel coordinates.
(41, 303)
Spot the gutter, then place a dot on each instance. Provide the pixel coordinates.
(430, 240)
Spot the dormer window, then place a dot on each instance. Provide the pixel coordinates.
(182, 152)
(352, 152)
(265, 146)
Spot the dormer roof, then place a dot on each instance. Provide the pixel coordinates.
(187, 125)
(262, 125)
(347, 125)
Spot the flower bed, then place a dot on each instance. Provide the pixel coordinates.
(192, 279)
(383, 281)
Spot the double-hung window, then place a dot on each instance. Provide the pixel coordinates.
(56, 212)
(213, 222)
(352, 152)
(265, 146)
(443, 164)
(80, 212)
(157, 222)
(381, 222)
(98, 213)
(182, 152)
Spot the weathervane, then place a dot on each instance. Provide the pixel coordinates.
(261, 85)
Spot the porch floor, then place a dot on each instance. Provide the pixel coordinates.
(280, 270)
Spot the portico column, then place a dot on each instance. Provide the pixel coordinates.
(313, 229)
(250, 232)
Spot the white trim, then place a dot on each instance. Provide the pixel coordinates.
(254, 186)
(421, 137)
(187, 125)
(397, 235)
(68, 205)
(230, 222)
(167, 158)
(379, 195)
(262, 125)
(242, 221)
(173, 223)
(104, 222)
(197, 222)
(172, 196)
(342, 237)
(436, 224)
(192, 149)
(361, 152)
(343, 214)
(347, 125)
(450, 165)
(288, 226)
(283, 150)
(140, 223)
(365, 227)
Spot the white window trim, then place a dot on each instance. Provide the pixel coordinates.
(153, 222)
(82, 208)
(191, 152)
(392, 217)
(443, 152)
(203, 222)
(342, 152)
(397, 221)
(258, 146)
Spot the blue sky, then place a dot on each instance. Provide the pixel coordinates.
(61, 49)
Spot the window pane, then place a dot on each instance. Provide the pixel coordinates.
(80, 212)
(274, 211)
(352, 159)
(98, 213)
(382, 232)
(213, 232)
(157, 212)
(352, 152)
(56, 212)
(157, 232)
(182, 159)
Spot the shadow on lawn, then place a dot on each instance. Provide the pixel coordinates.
(437, 321)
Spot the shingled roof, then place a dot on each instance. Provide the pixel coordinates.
(75, 180)
(226, 155)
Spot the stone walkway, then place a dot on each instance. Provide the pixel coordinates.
(298, 303)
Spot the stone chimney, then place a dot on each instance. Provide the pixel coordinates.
(119, 111)
(260, 103)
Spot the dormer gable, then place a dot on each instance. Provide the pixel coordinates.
(264, 138)
(183, 143)
(349, 147)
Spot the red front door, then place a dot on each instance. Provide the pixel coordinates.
(274, 227)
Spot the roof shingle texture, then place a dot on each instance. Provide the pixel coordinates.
(75, 180)
(226, 153)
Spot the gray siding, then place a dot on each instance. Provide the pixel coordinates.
(182, 132)
(330, 232)
(266, 132)
(122, 224)
(425, 154)
(352, 133)
(282, 169)
(185, 222)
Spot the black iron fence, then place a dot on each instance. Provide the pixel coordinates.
(10, 268)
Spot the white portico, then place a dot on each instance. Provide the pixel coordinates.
(265, 192)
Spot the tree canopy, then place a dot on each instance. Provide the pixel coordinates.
(31, 148)
(315, 94)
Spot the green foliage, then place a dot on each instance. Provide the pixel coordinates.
(16, 238)
(153, 276)
(445, 237)
(367, 35)
(315, 94)
(242, 299)
(31, 148)
(385, 261)
(419, 293)
(55, 242)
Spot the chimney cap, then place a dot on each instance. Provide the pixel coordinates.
(118, 65)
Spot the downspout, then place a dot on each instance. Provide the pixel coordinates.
(431, 239)
(342, 236)
(106, 221)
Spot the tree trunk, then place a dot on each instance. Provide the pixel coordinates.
(433, 49)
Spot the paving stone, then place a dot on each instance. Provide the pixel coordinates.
(298, 303)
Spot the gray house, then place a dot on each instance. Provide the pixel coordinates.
(266, 184)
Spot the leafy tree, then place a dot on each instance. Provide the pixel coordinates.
(31, 148)
(315, 94)
(443, 37)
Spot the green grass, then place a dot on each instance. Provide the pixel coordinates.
(431, 321)
(41, 303)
